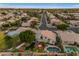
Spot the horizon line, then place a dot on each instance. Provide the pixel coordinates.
(39, 8)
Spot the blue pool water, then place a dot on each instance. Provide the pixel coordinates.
(70, 49)
(53, 49)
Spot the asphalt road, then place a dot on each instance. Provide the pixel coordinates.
(44, 22)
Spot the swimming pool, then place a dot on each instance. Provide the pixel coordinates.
(70, 49)
(53, 49)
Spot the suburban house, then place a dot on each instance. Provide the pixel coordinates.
(55, 21)
(46, 36)
(68, 37)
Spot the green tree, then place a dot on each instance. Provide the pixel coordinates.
(33, 13)
(58, 40)
(15, 41)
(11, 42)
(8, 41)
(25, 19)
(27, 36)
(62, 26)
(33, 24)
(59, 43)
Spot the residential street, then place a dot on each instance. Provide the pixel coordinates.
(43, 22)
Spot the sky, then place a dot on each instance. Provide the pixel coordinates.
(39, 5)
